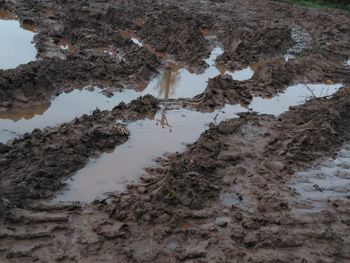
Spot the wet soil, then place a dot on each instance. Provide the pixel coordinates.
(235, 195)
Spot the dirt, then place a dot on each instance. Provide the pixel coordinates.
(229, 197)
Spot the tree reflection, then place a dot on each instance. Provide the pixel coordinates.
(166, 84)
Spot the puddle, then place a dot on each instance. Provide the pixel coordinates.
(174, 82)
(167, 132)
(16, 45)
(170, 131)
(178, 82)
(326, 181)
(347, 62)
(64, 107)
(229, 199)
(293, 96)
(302, 41)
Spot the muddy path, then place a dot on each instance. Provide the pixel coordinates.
(229, 195)
(263, 183)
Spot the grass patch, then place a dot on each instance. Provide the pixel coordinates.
(319, 4)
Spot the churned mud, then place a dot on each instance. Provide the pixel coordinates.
(167, 131)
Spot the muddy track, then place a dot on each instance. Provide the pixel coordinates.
(232, 196)
(177, 206)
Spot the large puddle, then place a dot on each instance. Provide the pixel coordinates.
(64, 107)
(169, 131)
(16, 45)
(173, 82)
(327, 181)
(293, 96)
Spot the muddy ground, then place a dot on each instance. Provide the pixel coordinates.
(178, 213)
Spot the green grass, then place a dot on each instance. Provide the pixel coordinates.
(319, 4)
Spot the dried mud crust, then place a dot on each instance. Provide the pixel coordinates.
(34, 166)
(176, 214)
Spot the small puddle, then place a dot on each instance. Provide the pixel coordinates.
(326, 181)
(16, 46)
(64, 107)
(178, 82)
(293, 96)
(169, 131)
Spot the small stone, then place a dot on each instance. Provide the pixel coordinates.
(275, 166)
(205, 213)
(222, 221)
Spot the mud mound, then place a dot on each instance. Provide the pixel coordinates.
(222, 90)
(270, 77)
(248, 46)
(176, 33)
(274, 75)
(324, 126)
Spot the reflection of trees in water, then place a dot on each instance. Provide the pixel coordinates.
(16, 114)
(166, 83)
(163, 121)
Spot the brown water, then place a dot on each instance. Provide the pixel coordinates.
(16, 45)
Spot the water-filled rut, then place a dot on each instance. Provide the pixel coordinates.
(169, 131)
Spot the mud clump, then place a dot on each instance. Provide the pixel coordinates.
(55, 153)
(222, 90)
(270, 77)
(246, 46)
(177, 33)
(324, 126)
